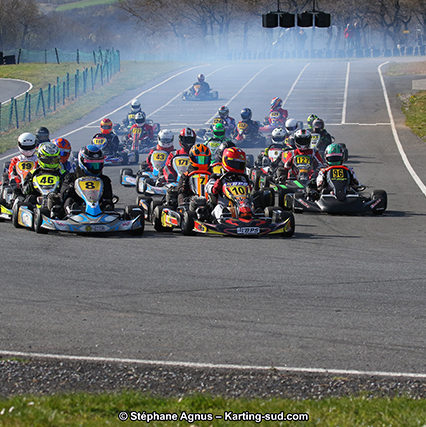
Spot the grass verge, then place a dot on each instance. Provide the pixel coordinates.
(414, 108)
(402, 68)
(103, 409)
(132, 75)
(82, 4)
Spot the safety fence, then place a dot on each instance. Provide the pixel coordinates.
(43, 101)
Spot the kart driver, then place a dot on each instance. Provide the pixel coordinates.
(252, 126)
(204, 86)
(65, 150)
(27, 148)
(112, 142)
(164, 143)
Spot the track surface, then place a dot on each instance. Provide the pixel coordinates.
(344, 293)
(11, 88)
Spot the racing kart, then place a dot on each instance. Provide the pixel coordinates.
(138, 141)
(121, 129)
(8, 189)
(239, 218)
(90, 220)
(124, 156)
(245, 139)
(273, 121)
(196, 94)
(339, 198)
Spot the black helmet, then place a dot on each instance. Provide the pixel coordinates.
(302, 138)
(246, 114)
(317, 125)
(42, 134)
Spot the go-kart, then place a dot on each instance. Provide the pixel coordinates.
(92, 219)
(10, 189)
(339, 198)
(272, 121)
(122, 129)
(138, 140)
(196, 94)
(245, 138)
(238, 218)
(124, 156)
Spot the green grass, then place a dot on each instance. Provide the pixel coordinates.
(82, 4)
(133, 75)
(83, 409)
(414, 109)
(402, 68)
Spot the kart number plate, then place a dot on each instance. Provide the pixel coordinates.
(303, 160)
(90, 185)
(25, 166)
(158, 156)
(95, 227)
(131, 116)
(46, 180)
(137, 131)
(248, 230)
(338, 175)
(99, 141)
(236, 189)
(218, 120)
(242, 125)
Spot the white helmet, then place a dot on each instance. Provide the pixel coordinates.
(140, 118)
(291, 125)
(278, 135)
(165, 138)
(136, 106)
(27, 144)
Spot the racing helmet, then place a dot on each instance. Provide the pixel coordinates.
(223, 112)
(187, 138)
(200, 156)
(140, 118)
(302, 138)
(27, 144)
(222, 147)
(42, 135)
(48, 156)
(318, 125)
(279, 135)
(276, 103)
(91, 160)
(135, 106)
(291, 125)
(201, 78)
(106, 126)
(311, 119)
(334, 155)
(246, 114)
(234, 160)
(219, 130)
(64, 148)
(165, 138)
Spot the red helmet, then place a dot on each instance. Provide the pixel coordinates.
(234, 160)
(64, 148)
(106, 126)
(187, 138)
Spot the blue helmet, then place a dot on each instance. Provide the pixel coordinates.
(91, 160)
(246, 114)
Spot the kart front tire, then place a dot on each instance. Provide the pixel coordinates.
(188, 223)
(132, 212)
(382, 206)
(15, 211)
(156, 220)
(292, 228)
(38, 220)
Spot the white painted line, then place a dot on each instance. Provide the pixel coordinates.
(21, 94)
(404, 157)
(345, 96)
(295, 83)
(241, 89)
(119, 108)
(358, 124)
(211, 365)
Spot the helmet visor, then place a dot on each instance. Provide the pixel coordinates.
(236, 164)
(106, 127)
(50, 160)
(201, 160)
(334, 158)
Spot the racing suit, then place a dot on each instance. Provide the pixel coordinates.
(283, 114)
(13, 174)
(322, 184)
(204, 88)
(290, 171)
(230, 125)
(184, 190)
(130, 117)
(252, 129)
(169, 171)
(70, 197)
(147, 165)
(69, 166)
(147, 130)
(31, 192)
(112, 144)
(325, 140)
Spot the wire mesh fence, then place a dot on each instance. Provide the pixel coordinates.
(43, 101)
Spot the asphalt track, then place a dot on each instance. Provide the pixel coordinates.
(344, 293)
(12, 88)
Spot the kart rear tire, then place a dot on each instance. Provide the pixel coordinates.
(156, 220)
(380, 194)
(345, 152)
(15, 210)
(288, 202)
(249, 160)
(125, 171)
(132, 212)
(38, 219)
(188, 223)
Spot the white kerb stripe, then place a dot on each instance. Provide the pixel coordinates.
(404, 157)
(211, 365)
